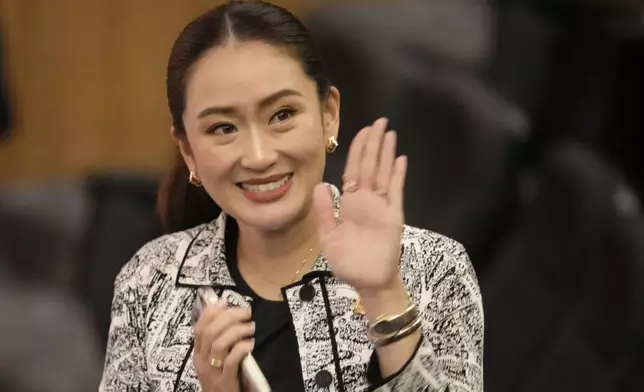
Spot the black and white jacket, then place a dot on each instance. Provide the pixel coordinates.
(150, 338)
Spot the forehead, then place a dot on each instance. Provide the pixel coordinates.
(243, 73)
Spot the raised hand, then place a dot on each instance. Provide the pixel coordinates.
(363, 249)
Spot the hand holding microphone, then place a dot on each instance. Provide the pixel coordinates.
(223, 343)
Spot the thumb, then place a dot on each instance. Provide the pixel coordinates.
(323, 203)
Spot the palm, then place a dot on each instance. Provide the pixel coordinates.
(363, 248)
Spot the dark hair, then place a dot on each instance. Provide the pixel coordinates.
(181, 205)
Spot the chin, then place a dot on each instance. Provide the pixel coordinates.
(274, 216)
(271, 217)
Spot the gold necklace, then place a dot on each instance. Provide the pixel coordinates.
(297, 273)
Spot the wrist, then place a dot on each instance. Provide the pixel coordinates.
(392, 299)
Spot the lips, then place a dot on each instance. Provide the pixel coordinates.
(268, 189)
(267, 184)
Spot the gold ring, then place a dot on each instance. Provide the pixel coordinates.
(216, 363)
(381, 192)
(350, 186)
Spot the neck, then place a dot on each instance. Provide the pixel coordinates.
(287, 246)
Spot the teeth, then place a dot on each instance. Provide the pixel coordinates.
(271, 186)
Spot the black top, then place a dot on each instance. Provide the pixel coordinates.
(276, 350)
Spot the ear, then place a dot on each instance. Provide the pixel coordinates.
(331, 113)
(184, 147)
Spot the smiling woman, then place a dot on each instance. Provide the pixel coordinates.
(257, 75)
(324, 299)
(252, 114)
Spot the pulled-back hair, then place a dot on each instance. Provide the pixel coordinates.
(181, 205)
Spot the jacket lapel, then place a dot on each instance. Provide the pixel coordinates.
(204, 260)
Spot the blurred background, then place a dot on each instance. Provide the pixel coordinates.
(523, 121)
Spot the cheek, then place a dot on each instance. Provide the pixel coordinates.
(309, 153)
(213, 162)
(310, 133)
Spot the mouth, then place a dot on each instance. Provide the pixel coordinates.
(265, 185)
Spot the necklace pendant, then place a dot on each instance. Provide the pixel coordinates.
(357, 306)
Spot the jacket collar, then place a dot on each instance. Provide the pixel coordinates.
(203, 261)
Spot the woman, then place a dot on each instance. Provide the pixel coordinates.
(325, 300)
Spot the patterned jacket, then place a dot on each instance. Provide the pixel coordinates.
(151, 337)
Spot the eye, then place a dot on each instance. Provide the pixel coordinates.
(283, 115)
(222, 129)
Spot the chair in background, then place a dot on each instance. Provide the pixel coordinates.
(121, 220)
(41, 229)
(563, 300)
(75, 236)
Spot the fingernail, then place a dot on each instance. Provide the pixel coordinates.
(252, 325)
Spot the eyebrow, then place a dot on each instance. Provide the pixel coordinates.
(271, 99)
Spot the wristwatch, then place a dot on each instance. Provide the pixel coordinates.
(388, 325)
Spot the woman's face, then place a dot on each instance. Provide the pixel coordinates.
(256, 132)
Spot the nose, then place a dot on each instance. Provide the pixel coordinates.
(259, 153)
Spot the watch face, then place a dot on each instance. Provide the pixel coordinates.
(205, 296)
(394, 324)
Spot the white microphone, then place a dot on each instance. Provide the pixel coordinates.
(250, 372)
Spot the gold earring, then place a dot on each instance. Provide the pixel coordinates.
(194, 180)
(331, 144)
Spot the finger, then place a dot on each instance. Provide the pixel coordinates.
(223, 321)
(386, 165)
(221, 346)
(230, 372)
(209, 313)
(371, 154)
(352, 167)
(217, 326)
(397, 188)
(323, 202)
(207, 316)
